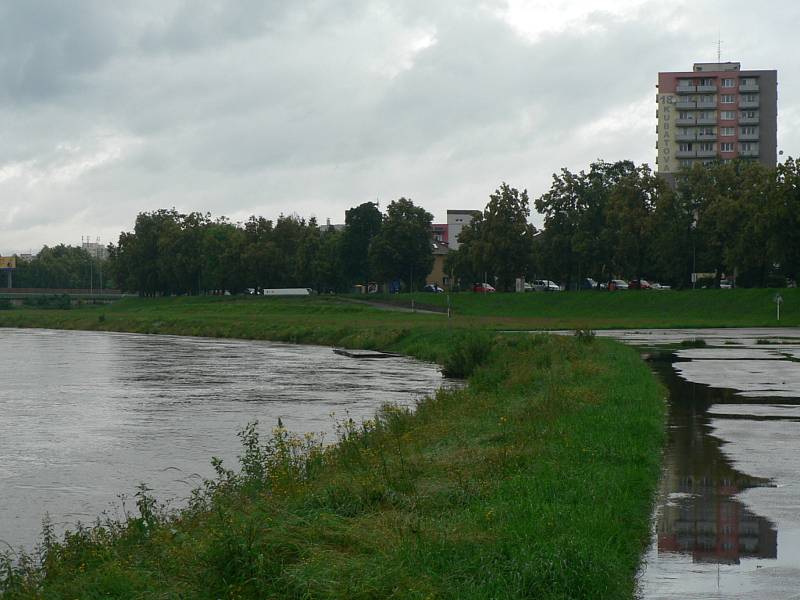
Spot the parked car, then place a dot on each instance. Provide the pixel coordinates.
(528, 287)
(588, 284)
(658, 286)
(639, 284)
(617, 284)
(545, 285)
(725, 284)
(433, 288)
(483, 288)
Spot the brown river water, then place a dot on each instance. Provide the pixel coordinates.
(86, 416)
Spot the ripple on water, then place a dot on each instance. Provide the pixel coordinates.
(87, 415)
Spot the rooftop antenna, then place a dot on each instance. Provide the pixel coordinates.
(719, 47)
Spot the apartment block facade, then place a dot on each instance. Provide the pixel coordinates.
(716, 111)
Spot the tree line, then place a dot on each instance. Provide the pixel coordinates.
(65, 267)
(173, 253)
(613, 220)
(738, 219)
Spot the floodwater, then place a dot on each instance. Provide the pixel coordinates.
(86, 416)
(727, 519)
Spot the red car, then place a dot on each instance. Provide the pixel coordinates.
(482, 288)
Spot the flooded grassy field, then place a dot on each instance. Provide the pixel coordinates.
(727, 520)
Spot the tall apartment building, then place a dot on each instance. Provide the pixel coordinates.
(716, 111)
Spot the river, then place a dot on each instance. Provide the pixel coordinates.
(86, 416)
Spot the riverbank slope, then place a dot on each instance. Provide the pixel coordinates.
(535, 480)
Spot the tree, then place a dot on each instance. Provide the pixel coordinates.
(498, 241)
(577, 240)
(630, 206)
(362, 224)
(403, 248)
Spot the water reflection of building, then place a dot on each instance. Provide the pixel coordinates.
(703, 516)
(712, 526)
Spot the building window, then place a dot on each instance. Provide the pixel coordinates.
(728, 83)
(750, 97)
(726, 131)
(726, 147)
(706, 82)
(684, 115)
(686, 163)
(747, 147)
(728, 115)
(749, 114)
(728, 98)
(749, 131)
(685, 147)
(707, 131)
(707, 147)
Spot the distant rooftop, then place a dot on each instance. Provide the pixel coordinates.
(723, 66)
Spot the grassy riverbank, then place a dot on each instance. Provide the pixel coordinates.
(534, 481)
(622, 309)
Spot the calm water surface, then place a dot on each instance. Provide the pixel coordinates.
(85, 416)
(727, 520)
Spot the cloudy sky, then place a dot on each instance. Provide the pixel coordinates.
(265, 107)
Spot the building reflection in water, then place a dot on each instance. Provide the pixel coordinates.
(701, 514)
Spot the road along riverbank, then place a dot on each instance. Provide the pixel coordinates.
(535, 480)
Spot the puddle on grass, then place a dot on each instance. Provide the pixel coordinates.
(727, 520)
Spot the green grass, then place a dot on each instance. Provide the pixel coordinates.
(621, 309)
(534, 481)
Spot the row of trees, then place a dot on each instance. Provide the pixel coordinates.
(739, 219)
(61, 267)
(173, 253)
(615, 220)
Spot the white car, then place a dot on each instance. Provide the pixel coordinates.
(545, 285)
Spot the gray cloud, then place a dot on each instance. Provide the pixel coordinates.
(268, 107)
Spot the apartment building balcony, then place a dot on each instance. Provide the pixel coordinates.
(707, 120)
(683, 104)
(686, 121)
(707, 105)
(706, 153)
(685, 89)
(686, 153)
(748, 87)
(707, 137)
(748, 120)
(706, 89)
(748, 137)
(749, 153)
(686, 137)
(748, 103)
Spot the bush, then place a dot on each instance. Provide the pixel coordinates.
(693, 343)
(468, 353)
(60, 301)
(5, 304)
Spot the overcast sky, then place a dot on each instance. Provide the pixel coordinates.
(265, 107)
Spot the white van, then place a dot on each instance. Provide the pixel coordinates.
(287, 291)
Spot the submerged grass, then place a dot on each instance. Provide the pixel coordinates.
(534, 481)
